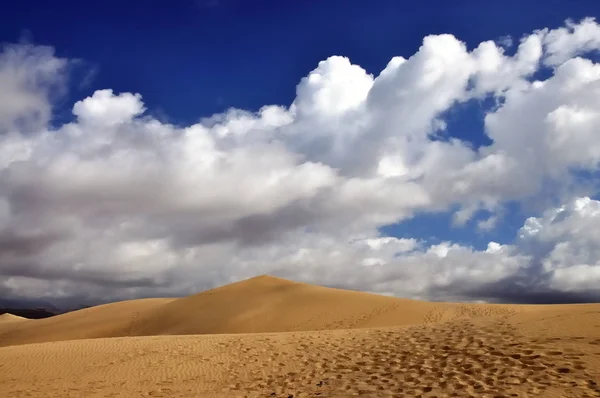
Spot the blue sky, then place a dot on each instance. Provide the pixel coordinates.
(191, 59)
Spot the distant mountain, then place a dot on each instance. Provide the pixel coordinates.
(28, 304)
(29, 313)
(29, 308)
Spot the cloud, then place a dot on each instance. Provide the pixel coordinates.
(572, 40)
(117, 204)
(106, 109)
(563, 243)
(553, 258)
(29, 78)
(505, 41)
(487, 224)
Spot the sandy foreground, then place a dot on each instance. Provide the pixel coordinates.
(268, 337)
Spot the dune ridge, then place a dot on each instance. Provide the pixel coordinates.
(269, 337)
(256, 305)
(7, 317)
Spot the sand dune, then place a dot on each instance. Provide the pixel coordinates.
(271, 337)
(261, 304)
(10, 318)
(109, 320)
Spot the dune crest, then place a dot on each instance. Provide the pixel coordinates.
(11, 318)
(260, 304)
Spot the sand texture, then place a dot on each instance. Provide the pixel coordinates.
(268, 337)
(10, 318)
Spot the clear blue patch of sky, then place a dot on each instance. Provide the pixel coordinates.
(465, 121)
(435, 228)
(589, 179)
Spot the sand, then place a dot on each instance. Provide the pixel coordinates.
(270, 337)
(10, 318)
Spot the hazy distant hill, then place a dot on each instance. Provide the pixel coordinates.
(29, 313)
(28, 303)
(28, 308)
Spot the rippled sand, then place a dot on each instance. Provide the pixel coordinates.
(271, 337)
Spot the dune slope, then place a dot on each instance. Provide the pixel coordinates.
(10, 318)
(269, 304)
(315, 341)
(260, 304)
(109, 320)
(548, 352)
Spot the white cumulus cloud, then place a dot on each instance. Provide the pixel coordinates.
(117, 204)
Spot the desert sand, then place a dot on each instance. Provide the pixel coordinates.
(10, 318)
(269, 337)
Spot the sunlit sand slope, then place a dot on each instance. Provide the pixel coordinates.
(319, 342)
(261, 304)
(10, 318)
(551, 353)
(109, 320)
